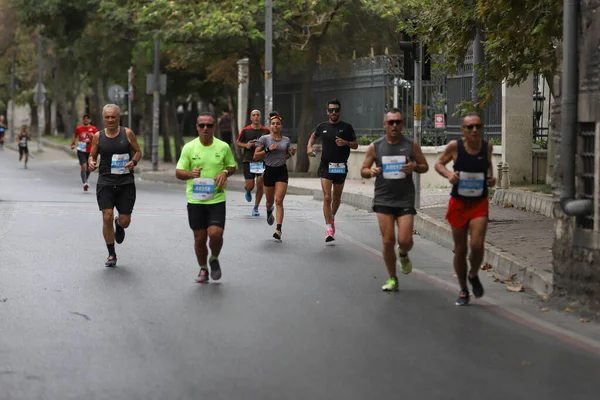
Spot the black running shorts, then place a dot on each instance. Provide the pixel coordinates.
(23, 150)
(337, 179)
(275, 174)
(397, 212)
(83, 157)
(120, 196)
(201, 216)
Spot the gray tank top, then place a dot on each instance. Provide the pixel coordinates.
(393, 188)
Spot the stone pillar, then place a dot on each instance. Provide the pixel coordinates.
(243, 87)
(517, 126)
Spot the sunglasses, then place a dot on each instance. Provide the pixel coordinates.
(202, 126)
(333, 110)
(393, 122)
(473, 126)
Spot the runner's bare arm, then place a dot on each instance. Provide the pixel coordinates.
(94, 153)
(259, 153)
(309, 148)
(422, 165)
(490, 174)
(367, 171)
(239, 143)
(448, 155)
(137, 152)
(74, 139)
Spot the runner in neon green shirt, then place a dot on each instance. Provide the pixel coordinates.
(206, 163)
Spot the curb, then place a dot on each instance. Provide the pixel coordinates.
(529, 201)
(66, 149)
(542, 282)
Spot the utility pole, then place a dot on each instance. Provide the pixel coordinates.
(156, 113)
(12, 97)
(130, 96)
(268, 59)
(477, 61)
(40, 95)
(418, 90)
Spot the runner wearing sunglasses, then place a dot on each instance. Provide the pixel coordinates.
(205, 163)
(468, 207)
(337, 139)
(396, 158)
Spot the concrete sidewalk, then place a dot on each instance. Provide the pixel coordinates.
(518, 243)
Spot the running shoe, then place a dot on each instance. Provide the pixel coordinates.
(277, 235)
(477, 286)
(463, 298)
(270, 217)
(85, 187)
(406, 263)
(333, 225)
(119, 232)
(202, 276)
(111, 261)
(329, 236)
(255, 212)
(391, 285)
(215, 269)
(248, 196)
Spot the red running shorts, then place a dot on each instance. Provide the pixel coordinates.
(461, 211)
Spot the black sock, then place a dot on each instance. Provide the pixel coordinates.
(111, 249)
(403, 255)
(87, 174)
(82, 174)
(279, 227)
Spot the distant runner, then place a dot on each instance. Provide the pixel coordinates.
(84, 135)
(23, 141)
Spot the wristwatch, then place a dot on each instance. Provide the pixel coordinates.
(135, 163)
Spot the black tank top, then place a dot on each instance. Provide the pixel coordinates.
(114, 154)
(472, 183)
(393, 188)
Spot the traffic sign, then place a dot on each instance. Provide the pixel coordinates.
(439, 121)
(116, 94)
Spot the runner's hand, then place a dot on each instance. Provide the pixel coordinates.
(251, 144)
(72, 146)
(196, 172)
(376, 171)
(130, 165)
(409, 167)
(221, 180)
(453, 178)
(492, 181)
(92, 165)
(340, 142)
(292, 150)
(273, 147)
(311, 152)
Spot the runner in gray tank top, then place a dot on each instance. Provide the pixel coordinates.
(396, 158)
(119, 154)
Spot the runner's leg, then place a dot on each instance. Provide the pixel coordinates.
(460, 255)
(259, 191)
(388, 237)
(280, 191)
(326, 185)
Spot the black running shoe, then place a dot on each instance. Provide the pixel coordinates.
(463, 298)
(119, 232)
(477, 287)
(215, 269)
(111, 261)
(277, 235)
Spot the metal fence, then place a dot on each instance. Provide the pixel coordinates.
(366, 88)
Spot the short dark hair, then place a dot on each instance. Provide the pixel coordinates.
(334, 101)
(206, 114)
(392, 110)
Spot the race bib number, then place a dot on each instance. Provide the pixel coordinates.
(203, 189)
(391, 167)
(337, 168)
(117, 164)
(471, 184)
(82, 146)
(23, 142)
(257, 167)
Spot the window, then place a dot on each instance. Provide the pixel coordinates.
(587, 166)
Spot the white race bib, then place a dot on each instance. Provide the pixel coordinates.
(23, 142)
(82, 146)
(471, 184)
(391, 167)
(203, 189)
(117, 164)
(257, 167)
(337, 168)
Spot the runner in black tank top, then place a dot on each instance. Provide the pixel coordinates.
(468, 206)
(119, 154)
(396, 158)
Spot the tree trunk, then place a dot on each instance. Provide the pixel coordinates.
(306, 116)
(175, 125)
(166, 129)
(256, 97)
(146, 128)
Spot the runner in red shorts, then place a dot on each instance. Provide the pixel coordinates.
(468, 206)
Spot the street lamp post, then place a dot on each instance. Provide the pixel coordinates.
(268, 57)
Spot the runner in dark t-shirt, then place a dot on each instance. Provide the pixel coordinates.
(252, 169)
(337, 138)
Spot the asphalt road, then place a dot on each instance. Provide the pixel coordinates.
(292, 320)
